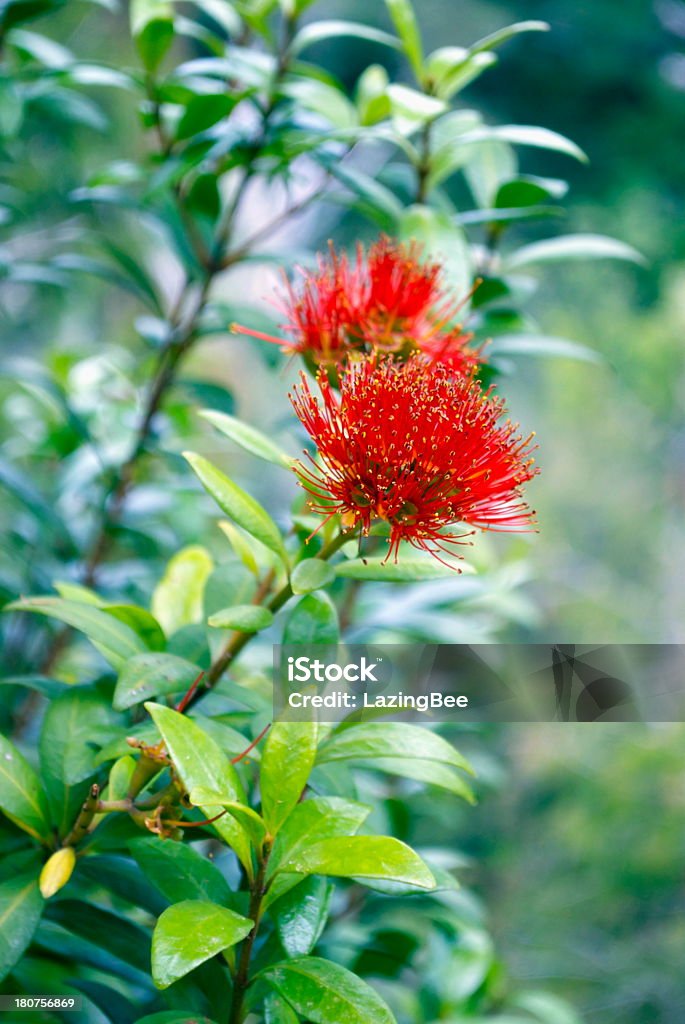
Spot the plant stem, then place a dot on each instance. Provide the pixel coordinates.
(238, 640)
(242, 974)
(424, 167)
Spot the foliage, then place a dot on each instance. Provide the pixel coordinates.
(119, 752)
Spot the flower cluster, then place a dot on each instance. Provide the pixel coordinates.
(411, 444)
(388, 300)
(405, 433)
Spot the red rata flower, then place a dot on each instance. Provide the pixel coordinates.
(386, 301)
(417, 447)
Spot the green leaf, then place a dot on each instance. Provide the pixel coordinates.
(407, 570)
(312, 820)
(115, 641)
(371, 95)
(242, 546)
(248, 618)
(541, 345)
(152, 27)
(364, 857)
(287, 759)
(74, 723)
(177, 599)
(573, 247)
(488, 165)
(249, 438)
(503, 34)
(277, 1011)
(311, 574)
(200, 762)
(451, 68)
(412, 108)
(399, 748)
(125, 940)
(252, 822)
(325, 993)
(527, 135)
(404, 20)
(377, 200)
(150, 675)
(21, 796)
(141, 622)
(301, 915)
(237, 504)
(202, 112)
(442, 241)
(313, 620)
(21, 906)
(189, 933)
(319, 31)
(529, 190)
(390, 739)
(178, 871)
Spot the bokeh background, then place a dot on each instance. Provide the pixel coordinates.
(578, 845)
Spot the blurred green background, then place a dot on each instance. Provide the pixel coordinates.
(578, 849)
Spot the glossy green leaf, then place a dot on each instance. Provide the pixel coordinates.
(313, 620)
(573, 247)
(495, 39)
(177, 599)
(237, 504)
(301, 915)
(200, 762)
(319, 31)
(312, 820)
(252, 822)
(202, 112)
(527, 135)
(404, 20)
(528, 190)
(150, 675)
(325, 993)
(179, 871)
(141, 622)
(406, 570)
(242, 546)
(189, 933)
(541, 345)
(451, 68)
(21, 795)
(411, 108)
(287, 759)
(433, 773)
(391, 739)
(152, 27)
(74, 724)
(125, 940)
(277, 1011)
(249, 438)
(115, 641)
(364, 857)
(21, 905)
(248, 618)
(311, 574)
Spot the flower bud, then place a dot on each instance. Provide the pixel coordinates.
(57, 871)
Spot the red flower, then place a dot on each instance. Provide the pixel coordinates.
(387, 301)
(413, 445)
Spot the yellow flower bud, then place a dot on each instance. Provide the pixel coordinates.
(57, 871)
